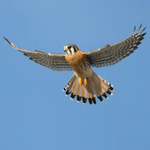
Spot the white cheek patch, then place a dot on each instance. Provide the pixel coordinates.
(68, 52)
(72, 50)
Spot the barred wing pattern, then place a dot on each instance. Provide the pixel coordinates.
(52, 61)
(112, 54)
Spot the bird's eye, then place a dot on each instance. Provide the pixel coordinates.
(69, 47)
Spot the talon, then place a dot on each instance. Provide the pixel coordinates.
(85, 82)
(80, 81)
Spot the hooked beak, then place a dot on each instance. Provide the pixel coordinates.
(65, 49)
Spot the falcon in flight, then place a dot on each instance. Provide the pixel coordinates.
(85, 83)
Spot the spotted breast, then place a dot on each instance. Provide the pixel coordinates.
(80, 64)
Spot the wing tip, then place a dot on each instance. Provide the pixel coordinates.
(133, 33)
(7, 41)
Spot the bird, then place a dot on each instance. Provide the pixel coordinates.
(85, 84)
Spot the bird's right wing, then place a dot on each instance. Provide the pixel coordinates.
(52, 61)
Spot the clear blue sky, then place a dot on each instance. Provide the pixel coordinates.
(34, 112)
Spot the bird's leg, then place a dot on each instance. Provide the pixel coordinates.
(85, 81)
(80, 81)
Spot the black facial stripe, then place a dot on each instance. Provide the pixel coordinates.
(75, 49)
(70, 51)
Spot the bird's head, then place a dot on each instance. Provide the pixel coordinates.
(70, 49)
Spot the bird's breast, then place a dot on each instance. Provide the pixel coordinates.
(79, 64)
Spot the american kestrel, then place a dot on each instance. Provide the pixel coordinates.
(85, 83)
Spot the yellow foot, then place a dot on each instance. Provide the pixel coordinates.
(85, 82)
(80, 81)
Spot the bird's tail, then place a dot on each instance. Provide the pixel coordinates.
(96, 86)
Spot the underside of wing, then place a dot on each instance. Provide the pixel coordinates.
(52, 61)
(112, 54)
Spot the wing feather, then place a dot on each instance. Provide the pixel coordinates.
(52, 61)
(112, 54)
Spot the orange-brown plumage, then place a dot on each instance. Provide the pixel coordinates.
(76, 61)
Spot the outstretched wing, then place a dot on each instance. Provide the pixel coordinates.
(52, 61)
(112, 54)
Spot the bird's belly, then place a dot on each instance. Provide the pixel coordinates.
(83, 71)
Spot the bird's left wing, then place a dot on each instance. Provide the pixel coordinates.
(52, 61)
(112, 54)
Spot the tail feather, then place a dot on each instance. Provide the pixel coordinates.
(89, 94)
(74, 89)
(100, 98)
(67, 93)
(79, 90)
(78, 98)
(89, 88)
(79, 93)
(104, 81)
(96, 86)
(83, 95)
(72, 96)
(84, 100)
(102, 84)
(70, 81)
(108, 92)
(90, 101)
(94, 100)
(70, 88)
(106, 86)
(69, 85)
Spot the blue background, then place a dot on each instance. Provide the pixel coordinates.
(35, 114)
